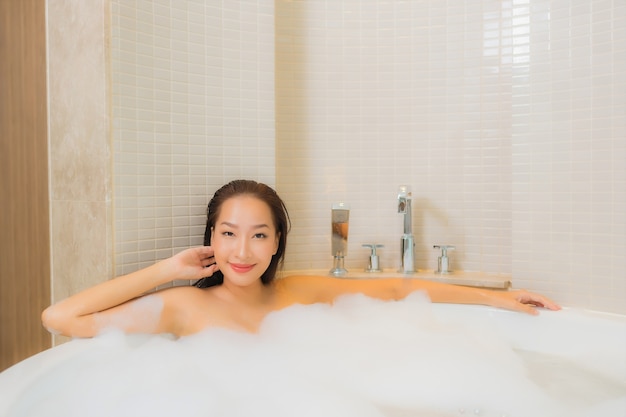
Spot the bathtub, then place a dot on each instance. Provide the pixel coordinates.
(360, 357)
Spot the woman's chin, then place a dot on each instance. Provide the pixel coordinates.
(246, 279)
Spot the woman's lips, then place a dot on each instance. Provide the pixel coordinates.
(241, 268)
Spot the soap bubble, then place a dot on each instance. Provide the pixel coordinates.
(357, 358)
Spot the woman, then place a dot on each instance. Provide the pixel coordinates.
(245, 238)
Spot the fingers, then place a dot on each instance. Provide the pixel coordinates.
(549, 304)
(210, 270)
(543, 301)
(529, 309)
(530, 300)
(204, 251)
(208, 261)
(205, 259)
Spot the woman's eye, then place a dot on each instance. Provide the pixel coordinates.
(229, 234)
(260, 236)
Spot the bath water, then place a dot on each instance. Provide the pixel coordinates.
(360, 357)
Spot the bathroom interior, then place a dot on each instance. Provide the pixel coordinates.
(506, 118)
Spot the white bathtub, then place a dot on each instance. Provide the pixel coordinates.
(360, 357)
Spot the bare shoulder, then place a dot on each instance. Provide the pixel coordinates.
(187, 309)
(189, 297)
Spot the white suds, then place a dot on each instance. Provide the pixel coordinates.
(357, 358)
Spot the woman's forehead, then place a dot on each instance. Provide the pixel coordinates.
(246, 210)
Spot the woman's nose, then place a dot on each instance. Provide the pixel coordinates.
(243, 248)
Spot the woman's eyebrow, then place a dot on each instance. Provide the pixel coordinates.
(229, 224)
(257, 226)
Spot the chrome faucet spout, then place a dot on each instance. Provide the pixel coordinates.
(407, 248)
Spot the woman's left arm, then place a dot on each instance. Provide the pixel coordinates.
(310, 289)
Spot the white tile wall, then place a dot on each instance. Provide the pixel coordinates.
(371, 97)
(569, 182)
(193, 107)
(506, 117)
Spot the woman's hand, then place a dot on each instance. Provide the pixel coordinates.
(521, 300)
(192, 263)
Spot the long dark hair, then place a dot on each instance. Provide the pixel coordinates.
(279, 216)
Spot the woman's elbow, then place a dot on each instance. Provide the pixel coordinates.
(52, 320)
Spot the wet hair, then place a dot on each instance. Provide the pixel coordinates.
(279, 215)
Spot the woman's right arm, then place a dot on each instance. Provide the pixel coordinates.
(119, 303)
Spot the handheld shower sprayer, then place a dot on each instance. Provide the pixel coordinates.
(407, 248)
(340, 216)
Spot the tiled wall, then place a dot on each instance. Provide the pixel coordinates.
(507, 118)
(378, 94)
(193, 107)
(569, 151)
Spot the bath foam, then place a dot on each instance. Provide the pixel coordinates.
(359, 357)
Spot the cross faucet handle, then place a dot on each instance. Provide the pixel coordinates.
(374, 265)
(444, 249)
(443, 263)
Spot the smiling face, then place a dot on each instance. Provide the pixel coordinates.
(244, 239)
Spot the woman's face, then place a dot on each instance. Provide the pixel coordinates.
(244, 239)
